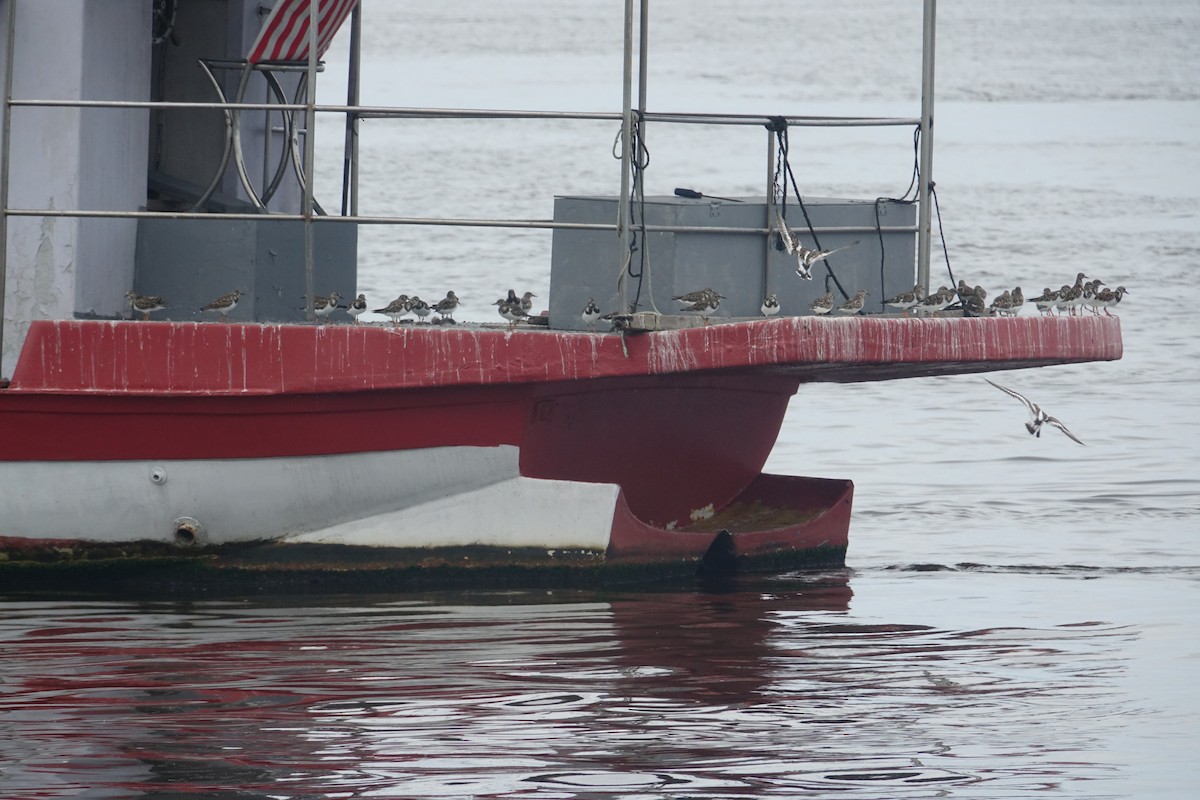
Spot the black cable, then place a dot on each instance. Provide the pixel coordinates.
(942, 232)
(781, 137)
(902, 199)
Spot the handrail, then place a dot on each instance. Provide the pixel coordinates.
(403, 112)
(465, 222)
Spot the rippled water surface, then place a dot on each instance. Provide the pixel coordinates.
(1019, 616)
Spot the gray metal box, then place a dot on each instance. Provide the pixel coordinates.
(744, 267)
(191, 262)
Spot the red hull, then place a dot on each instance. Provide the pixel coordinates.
(682, 421)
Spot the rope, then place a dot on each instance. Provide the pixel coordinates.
(784, 167)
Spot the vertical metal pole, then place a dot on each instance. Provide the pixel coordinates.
(770, 207)
(925, 222)
(310, 128)
(626, 152)
(350, 150)
(6, 124)
(643, 49)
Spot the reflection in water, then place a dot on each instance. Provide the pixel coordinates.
(755, 690)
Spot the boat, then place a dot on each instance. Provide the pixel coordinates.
(259, 444)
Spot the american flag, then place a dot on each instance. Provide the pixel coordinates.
(284, 35)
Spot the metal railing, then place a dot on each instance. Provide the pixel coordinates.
(354, 113)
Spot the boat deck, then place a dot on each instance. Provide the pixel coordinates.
(127, 357)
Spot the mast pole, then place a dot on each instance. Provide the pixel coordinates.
(310, 129)
(626, 154)
(353, 93)
(925, 167)
(6, 125)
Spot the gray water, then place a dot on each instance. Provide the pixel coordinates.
(1018, 616)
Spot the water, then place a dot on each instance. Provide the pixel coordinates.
(1018, 616)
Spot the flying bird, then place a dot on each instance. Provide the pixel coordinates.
(805, 258)
(1037, 417)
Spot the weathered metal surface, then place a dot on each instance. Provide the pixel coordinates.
(96, 357)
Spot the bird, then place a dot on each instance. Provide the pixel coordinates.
(591, 313)
(224, 304)
(1037, 417)
(1071, 297)
(1002, 305)
(1090, 290)
(770, 306)
(704, 301)
(805, 258)
(1018, 300)
(697, 296)
(974, 304)
(1063, 303)
(145, 304)
(854, 304)
(1107, 298)
(823, 304)
(512, 311)
(419, 307)
(906, 300)
(324, 306)
(357, 307)
(445, 307)
(937, 301)
(395, 310)
(527, 302)
(1045, 302)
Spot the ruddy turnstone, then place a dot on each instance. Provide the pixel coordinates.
(395, 310)
(324, 306)
(704, 302)
(906, 300)
(445, 307)
(1090, 290)
(697, 296)
(1002, 305)
(1018, 300)
(823, 304)
(805, 258)
(1045, 302)
(527, 302)
(591, 313)
(1063, 302)
(854, 304)
(224, 304)
(145, 304)
(512, 311)
(1107, 298)
(357, 307)
(938, 301)
(419, 307)
(1037, 417)
(975, 305)
(770, 306)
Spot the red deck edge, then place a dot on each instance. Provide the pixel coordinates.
(125, 357)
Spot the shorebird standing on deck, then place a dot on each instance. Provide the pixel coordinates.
(591, 313)
(823, 304)
(224, 304)
(357, 306)
(145, 304)
(395, 310)
(445, 307)
(770, 306)
(854, 304)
